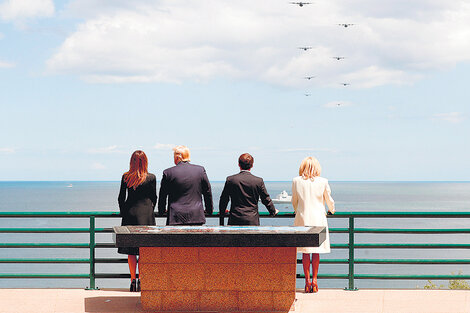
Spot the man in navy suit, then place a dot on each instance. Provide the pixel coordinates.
(185, 184)
(244, 191)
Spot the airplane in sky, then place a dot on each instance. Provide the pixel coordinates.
(300, 4)
(345, 25)
(305, 48)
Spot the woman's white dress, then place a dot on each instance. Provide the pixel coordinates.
(308, 198)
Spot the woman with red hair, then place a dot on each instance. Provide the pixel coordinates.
(137, 208)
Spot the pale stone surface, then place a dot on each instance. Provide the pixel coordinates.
(326, 300)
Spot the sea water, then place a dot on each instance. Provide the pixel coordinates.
(74, 196)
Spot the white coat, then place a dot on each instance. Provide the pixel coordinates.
(308, 198)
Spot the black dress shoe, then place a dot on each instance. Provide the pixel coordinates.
(138, 286)
(133, 286)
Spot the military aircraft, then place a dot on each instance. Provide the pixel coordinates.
(300, 4)
(345, 25)
(307, 94)
(345, 84)
(309, 77)
(305, 48)
(338, 58)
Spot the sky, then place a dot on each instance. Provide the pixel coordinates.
(84, 83)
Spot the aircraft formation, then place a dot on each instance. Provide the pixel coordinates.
(306, 48)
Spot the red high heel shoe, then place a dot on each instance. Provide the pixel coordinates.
(308, 287)
(314, 288)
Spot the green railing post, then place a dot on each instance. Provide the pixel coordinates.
(351, 255)
(92, 254)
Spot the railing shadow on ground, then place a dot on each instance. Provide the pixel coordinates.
(113, 304)
(350, 245)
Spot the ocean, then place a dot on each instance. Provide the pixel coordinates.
(76, 196)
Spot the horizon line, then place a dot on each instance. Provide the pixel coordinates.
(270, 181)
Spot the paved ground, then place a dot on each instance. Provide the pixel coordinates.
(327, 300)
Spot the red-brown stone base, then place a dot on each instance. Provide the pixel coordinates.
(217, 279)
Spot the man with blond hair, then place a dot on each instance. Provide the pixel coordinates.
(244, 190)
(184, 185)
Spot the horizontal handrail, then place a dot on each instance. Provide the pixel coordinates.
(393, 261)
(412, 261)
(329, 276)
(411, 277)
(404, 230)
(43, 245)
(23, 260)
(391, 276)
(331, 230)
(44, 230)
(21, 275)
(299, 261)
(362, 214)
(60, 214)
(412, 246)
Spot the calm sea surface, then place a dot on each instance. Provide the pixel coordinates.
(349, 196)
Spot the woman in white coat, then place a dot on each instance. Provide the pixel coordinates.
(309, 193)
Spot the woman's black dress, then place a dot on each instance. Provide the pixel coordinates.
(138, 208)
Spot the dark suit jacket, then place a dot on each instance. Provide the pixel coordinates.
(244, 191)
(184, 184)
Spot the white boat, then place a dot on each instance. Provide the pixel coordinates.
(283, 197)
(69, 186)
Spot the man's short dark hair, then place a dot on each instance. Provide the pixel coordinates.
(245, 161)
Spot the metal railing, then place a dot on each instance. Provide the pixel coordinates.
(350, 245)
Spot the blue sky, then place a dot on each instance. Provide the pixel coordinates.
(85, 83)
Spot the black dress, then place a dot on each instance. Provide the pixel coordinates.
(137, 208)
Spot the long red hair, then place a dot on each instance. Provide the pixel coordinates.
(138, 169)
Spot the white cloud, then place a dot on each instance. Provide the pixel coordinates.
(14, 10)
(337, 104)
(452, 117)
(98, 166)
(181, 40)
(7, 150)
(105, 150)
(6, 64)
(164, 146)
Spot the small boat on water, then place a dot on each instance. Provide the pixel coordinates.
(69, 186)
(283, 197)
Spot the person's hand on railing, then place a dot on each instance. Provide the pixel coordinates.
(276, 211)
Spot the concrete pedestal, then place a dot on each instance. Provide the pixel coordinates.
(228, 269)
(218, 278)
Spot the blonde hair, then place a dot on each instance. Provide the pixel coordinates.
(309, 168)
(182, 153)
